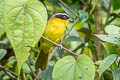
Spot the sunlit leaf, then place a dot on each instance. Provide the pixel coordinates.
(68, 68)
(2, 6)
(10, 62)
(112, 29)
(25, 21)
(106, 63)
(109, 38)
(110, 48)
(79, 25)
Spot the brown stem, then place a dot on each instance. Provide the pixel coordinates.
(32, 71)
(75, 22)
(108, 13)
(8, 72)
(81, 45)
(60, 46)
(52, 54)
(98, 30)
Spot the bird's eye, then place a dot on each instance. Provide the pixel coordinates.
(64, 17)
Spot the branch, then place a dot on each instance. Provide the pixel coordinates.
(75, 22)
(34, 49)
(114, 17)
(8, 72)
(32, 71)
(81, 45)
(108, 13)
(94, 7)
(60, 46)
(52, 54)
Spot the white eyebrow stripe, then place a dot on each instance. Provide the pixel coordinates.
(62, 14)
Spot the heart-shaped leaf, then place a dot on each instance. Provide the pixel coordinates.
(2, 6)
(25, 22)
(68, 68)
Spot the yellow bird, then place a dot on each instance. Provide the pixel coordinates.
(54, 31)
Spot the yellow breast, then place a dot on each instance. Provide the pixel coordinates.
(55, 29)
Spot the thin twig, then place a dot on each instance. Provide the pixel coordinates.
(8, 72)
(108, 13)
(32, 71)
(53, 52)
(82, 50)
(68, 8)
(59, 45)
(81, 45)
(34, 49)
(114, 17)
(111, 20)
(75, 22)
(94, 6)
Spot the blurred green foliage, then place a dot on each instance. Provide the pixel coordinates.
(95, 36)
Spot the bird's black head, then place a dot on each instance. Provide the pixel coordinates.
(62, 16)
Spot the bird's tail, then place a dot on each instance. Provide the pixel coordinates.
(42, 60)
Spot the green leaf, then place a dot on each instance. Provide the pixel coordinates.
(55, 2)
(2, 6)
(116, 4)
(11, 62)
(79, 25)
(25, 22)
(47, 74)
(110, 48)
(4, 43)
(83, 16)
(106, 63)
(68, 68)
(68, 11)
(116, 74)
(112, 38)
(2, 53)
(112, 29)
(73, 38)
